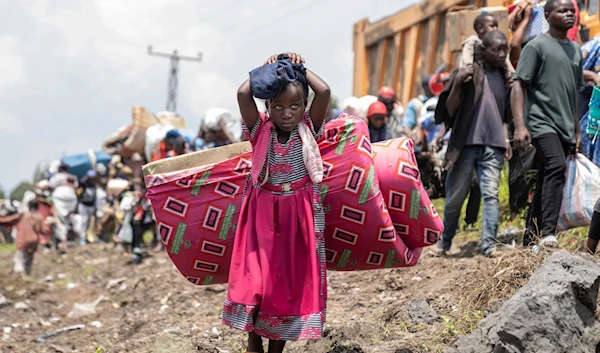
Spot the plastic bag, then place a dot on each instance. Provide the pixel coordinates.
(580, 193)
(154, 135)
(211, 119)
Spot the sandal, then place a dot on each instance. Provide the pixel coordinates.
(548, 243)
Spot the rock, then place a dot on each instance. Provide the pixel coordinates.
(217, 288)
(6, 333)
(21, 306)
(61, 276)
(44, 322)
(3, 301)
(163, 308)
(48, 278)
(71, 285)
(393, 282)
(113, 282)
(21, 292)
(418, 311)
(417, 279)
(96, 324)
(215, 333)
(337, 340)
(208, 348)
(552, 313)
(165, 300)
(80, 310)
(385, 298)
(59, 349)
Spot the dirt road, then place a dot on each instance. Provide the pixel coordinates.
(152, 308)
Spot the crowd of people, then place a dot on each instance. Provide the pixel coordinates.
(486, 112)
(106, 204)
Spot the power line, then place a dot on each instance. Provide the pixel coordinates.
(173, 74)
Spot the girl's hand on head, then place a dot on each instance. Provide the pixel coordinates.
(294, 59)
(272, 59)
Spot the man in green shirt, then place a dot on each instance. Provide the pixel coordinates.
(549, 75)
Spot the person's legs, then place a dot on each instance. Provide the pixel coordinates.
(138, 239)
(552, 153)
(276, 346)
(28, 262)
(458, 183)
(254, 343)
(519, 166)
(489, 166)
(84, 219)
(19, 262)
(534, 215)
(474, 202)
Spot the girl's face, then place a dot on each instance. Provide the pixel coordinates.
(287, 109)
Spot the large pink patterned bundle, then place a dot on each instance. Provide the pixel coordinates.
(415, 219)
(197, 208)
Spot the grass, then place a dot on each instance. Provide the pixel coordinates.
(570, 239)
(7, 248)
(148, 237)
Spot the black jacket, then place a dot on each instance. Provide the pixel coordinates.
(458, 114)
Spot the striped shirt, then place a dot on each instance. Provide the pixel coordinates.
(285, 160)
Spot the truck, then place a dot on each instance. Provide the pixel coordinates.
(399, 50)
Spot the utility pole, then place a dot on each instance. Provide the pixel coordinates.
(173, 79)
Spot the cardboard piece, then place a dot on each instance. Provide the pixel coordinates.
(196, 159)
(459, 24)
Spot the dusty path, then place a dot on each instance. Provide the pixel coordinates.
(152, 308)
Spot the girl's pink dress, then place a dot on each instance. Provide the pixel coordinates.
(277, 284)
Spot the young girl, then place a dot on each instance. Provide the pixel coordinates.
(277, 285)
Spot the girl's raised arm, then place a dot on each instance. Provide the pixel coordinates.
(320, 104)
(247, 105)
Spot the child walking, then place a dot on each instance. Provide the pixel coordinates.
(277, 284)
(29, 229)
(471, 47)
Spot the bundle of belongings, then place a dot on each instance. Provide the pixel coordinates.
(131, 139)
(378, 214)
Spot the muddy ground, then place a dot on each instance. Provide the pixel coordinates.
(151, 308)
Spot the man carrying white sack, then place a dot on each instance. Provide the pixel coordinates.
(218, 127)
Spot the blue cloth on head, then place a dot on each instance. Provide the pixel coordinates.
(267, 81)
(173, 134)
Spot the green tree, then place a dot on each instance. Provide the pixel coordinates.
(2, 193)
(19, 191)
(335, 103)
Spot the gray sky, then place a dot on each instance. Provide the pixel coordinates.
(71, 70)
